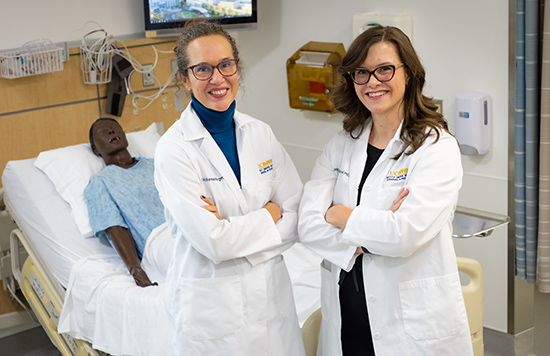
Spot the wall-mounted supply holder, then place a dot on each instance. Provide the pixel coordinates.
(312, 72)
(473, 120)
(35, 57)
(96, 56)
(365, 20)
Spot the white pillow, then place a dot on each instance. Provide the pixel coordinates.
(143, 143)
(70, 169)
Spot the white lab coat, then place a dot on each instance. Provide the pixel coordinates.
(228, 291)
(411, 280)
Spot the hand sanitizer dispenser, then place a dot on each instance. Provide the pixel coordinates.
(473, 121)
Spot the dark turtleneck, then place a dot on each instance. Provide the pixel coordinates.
(221, 126)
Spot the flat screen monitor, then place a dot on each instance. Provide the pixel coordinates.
(167, 17)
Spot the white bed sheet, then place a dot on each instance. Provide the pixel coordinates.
(46, 219)
(102, 304)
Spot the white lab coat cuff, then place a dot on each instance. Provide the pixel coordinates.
(345, 236)
(348, 232)
(271, 235)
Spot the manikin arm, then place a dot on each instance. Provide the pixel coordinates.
(124, 245)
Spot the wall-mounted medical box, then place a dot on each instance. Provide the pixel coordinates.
(312, 73)
(473, 120)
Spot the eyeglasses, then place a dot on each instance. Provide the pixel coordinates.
(383, 73)
(204, 71)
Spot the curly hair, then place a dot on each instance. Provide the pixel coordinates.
(420, 113)
(197, 28)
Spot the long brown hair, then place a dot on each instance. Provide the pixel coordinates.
(420, 113)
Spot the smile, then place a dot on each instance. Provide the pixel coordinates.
(377, 94)
(219, 91)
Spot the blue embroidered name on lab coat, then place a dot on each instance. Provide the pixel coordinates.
(214, 179)
(339, 171)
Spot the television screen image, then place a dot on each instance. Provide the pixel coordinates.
(165, 17)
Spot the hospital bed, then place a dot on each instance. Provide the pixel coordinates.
(43, 233)
(64, 271)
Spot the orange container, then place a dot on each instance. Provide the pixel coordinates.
(312, 73)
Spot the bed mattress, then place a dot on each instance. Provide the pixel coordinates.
(45, 218)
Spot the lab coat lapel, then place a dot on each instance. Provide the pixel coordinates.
(215, 155)
(359, 159)
(196, 131)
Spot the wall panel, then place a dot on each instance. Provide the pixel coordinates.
(53, 110)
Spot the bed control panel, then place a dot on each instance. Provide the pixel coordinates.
(44, 298)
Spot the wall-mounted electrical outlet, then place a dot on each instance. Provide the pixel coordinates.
(148, 77)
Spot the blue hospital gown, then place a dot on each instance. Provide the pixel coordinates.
(125, 197)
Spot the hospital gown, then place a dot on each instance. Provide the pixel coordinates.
(118, 196)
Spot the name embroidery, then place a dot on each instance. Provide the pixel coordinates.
(214, 179)
(339, 171)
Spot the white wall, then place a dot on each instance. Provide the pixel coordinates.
(463, 45)
(65, 20)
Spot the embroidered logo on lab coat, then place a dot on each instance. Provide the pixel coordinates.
(397, 175)
(266, 166)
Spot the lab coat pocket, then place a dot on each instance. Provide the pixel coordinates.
(212, 307)
(285, 296)
(433, 307)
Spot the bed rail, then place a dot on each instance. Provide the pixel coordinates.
(45, 301)
(6, 226)
(48, 308)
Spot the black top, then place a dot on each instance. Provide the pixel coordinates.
(356, 333)
(373, 154)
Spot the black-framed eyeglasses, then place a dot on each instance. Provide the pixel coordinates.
(383, 73)
(205, 71)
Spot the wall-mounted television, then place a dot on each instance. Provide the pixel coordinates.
(167, 17)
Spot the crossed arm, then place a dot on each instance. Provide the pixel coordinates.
(338, 215)
(272, 208)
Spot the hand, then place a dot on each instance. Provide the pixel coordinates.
(140, 277)
(338, 215)
(274, 210)
(210, 207)
(124, 245)
(399, 200)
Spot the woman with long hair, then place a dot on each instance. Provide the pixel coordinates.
(390, 283)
